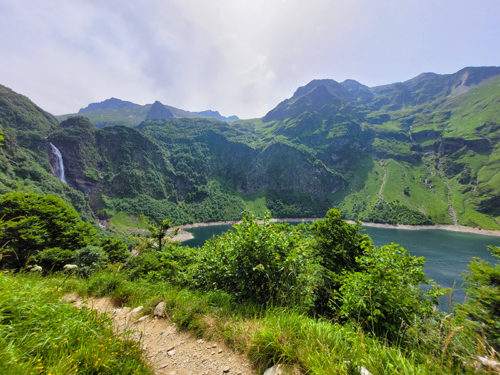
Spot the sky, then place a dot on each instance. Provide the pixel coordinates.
(238, 57)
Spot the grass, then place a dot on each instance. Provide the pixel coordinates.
(121, 221)
(267, 335)
(256, 203)
(39, 334)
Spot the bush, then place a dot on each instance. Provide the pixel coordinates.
(34, 222)
(54, 259)
(483, 305)
(384, 296)
(170, 264)
(116, 249)
(337, 244)
(90, 259)
(266, 263)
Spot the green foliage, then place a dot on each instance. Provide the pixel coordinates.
(158, 232)
(54, 259)
(39, 334)
(170, 264)
(338, 244)
(396, 213)
(483, 304)
(90, 259)
(384, 296)
(35, 222)
(116, 249)
(268, 263)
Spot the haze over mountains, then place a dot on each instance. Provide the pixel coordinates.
(421, 151)
(115, 111)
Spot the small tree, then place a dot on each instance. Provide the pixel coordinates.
(158, 232)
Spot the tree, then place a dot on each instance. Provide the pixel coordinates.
(158, 232)
(34, 222)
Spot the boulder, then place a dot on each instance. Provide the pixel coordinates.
(160, 310)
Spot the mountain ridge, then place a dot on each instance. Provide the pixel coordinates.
(410, 153)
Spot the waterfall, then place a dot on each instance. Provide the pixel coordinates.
(58, 164)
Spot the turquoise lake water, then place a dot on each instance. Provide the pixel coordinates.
(447, 253)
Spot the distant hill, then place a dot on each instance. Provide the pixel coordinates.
(115, 111)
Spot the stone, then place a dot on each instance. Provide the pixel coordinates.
(363, 371)
(226, 369)
(489, 363)
(137, 310)
(170, 353)
(160, 310)
(142, 318)
(275, 370)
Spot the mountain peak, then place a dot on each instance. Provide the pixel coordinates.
(158, 111)
(111, 103)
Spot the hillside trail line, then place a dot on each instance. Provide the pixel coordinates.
(384, 177)
(168, 350)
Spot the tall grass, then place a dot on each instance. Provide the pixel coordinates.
(39, 334)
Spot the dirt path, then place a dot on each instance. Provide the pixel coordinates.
(168, 350)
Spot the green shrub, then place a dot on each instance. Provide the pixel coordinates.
(483, 304)
(384, 296)
(116, 249)
(337, 244)
(269, 263)
(90, 259)
(169, 264)
(34, 222)
(54, 259)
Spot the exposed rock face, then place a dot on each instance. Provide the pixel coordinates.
(158, 112)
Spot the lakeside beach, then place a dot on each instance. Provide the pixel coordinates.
(185, 235)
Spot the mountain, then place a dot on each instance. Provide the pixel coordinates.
(115, 111)
(25, 157)
(422, 151)
(429, 144)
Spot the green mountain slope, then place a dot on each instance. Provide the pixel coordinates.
(24, 157)
(421, 151)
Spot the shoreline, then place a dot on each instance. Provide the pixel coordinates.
(184, 235)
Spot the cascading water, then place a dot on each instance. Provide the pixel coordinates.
(57, 163)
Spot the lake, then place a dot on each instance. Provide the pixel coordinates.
(447, 253)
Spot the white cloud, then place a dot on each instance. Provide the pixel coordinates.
(236, 56)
